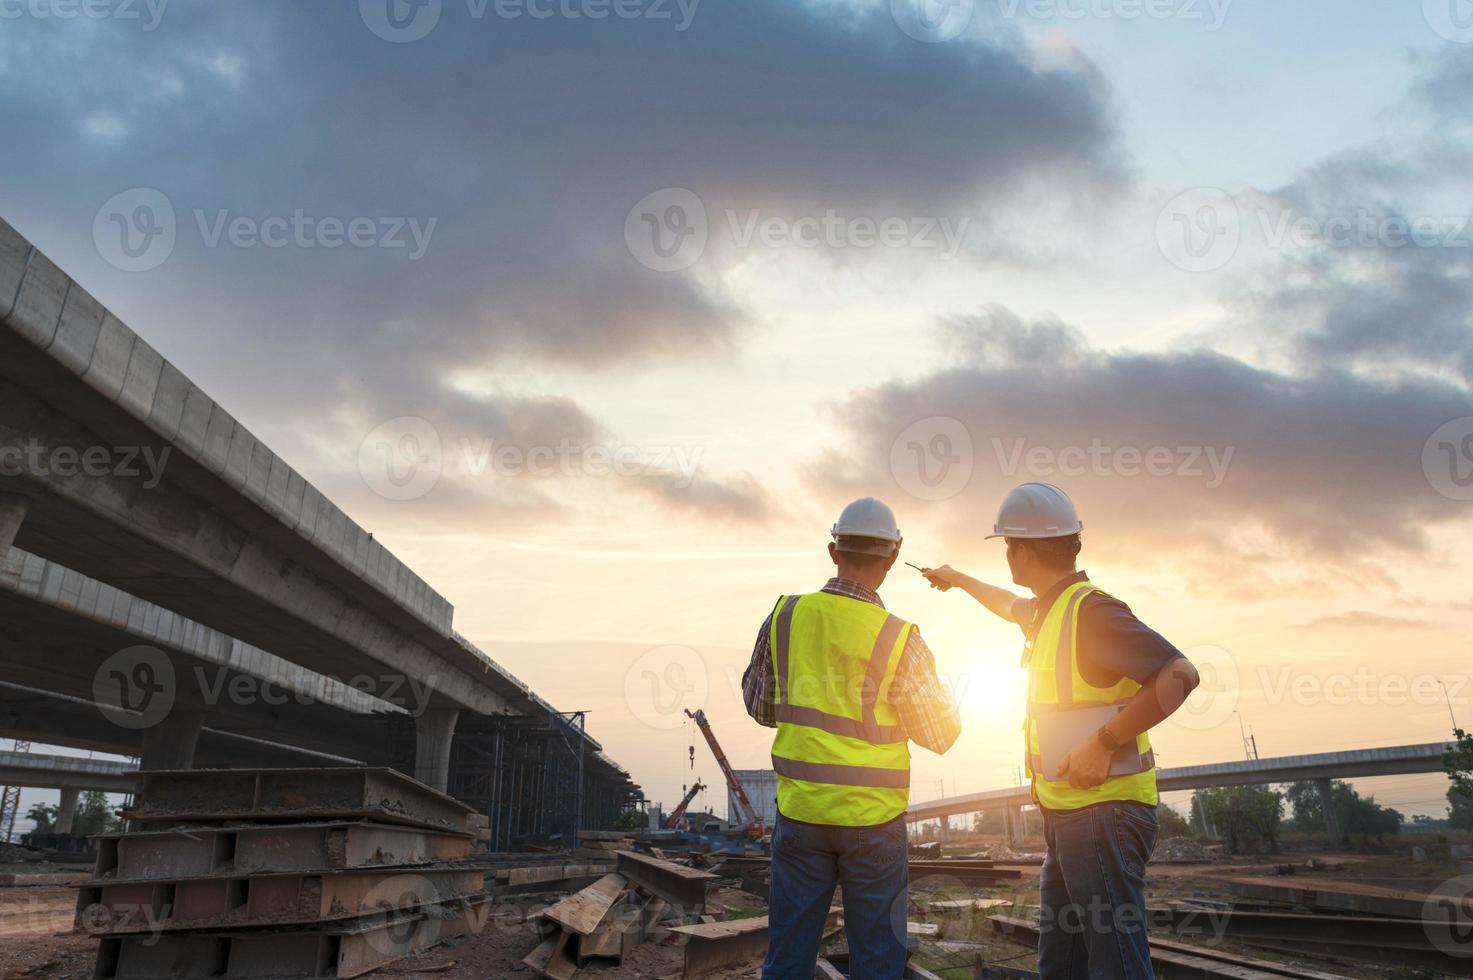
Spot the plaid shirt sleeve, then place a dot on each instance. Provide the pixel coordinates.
(926, 707)
(758, 687)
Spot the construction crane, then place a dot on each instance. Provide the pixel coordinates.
(746, 814)
(674, 819)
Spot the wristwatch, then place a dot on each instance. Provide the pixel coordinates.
(1105, 738)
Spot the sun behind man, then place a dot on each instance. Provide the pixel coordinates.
(1090, 663)
(847, 685)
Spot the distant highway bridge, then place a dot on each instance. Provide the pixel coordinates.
(1320, 768)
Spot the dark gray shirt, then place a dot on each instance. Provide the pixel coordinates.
(1112, 642)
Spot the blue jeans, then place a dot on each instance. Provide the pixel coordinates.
(1093, 893)
(808, 860)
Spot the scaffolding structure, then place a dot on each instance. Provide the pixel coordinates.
(10, 801)
(539, 781)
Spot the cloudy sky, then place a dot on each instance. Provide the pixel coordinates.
(597, 311)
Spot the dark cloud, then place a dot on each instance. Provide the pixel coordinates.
(741, 499)
(1385, 281)
(1250, 464)
(528, 141)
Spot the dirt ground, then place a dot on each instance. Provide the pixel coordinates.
(35, 942)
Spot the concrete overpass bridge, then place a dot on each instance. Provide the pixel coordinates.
(69, 774)
(1320, 768)
(231, 554)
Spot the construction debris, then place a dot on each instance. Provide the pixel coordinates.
(1184, 850)
(610, 917)
(712, 946)
(218, 882)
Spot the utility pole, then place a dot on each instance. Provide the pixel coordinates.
(1448, 698)
(1250, 743)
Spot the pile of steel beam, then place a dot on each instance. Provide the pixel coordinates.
(281, 873)
(618, 912)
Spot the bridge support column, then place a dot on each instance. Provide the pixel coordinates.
(66, 813)
(13, 510)
(434, 729)
(1015, 824)
(170, 744)
(945, 829)
(1327, 804)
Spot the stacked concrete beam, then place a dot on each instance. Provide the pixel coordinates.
(327, 873)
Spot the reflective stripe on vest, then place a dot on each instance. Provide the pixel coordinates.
(841, 752)
(1055, 683)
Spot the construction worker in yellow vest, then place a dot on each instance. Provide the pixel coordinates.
(1098, 681)
(847, 685)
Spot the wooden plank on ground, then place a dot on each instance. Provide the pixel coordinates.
(721, 944)
(582, 913)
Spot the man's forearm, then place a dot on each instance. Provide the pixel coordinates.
(998, 600)
(1156, 701)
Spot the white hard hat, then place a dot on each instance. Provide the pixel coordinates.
(1036, 510)
(868, 518)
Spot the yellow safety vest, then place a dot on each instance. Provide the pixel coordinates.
(1056, 684)
(841, 753)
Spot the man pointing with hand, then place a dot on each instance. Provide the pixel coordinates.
(1098, 681)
